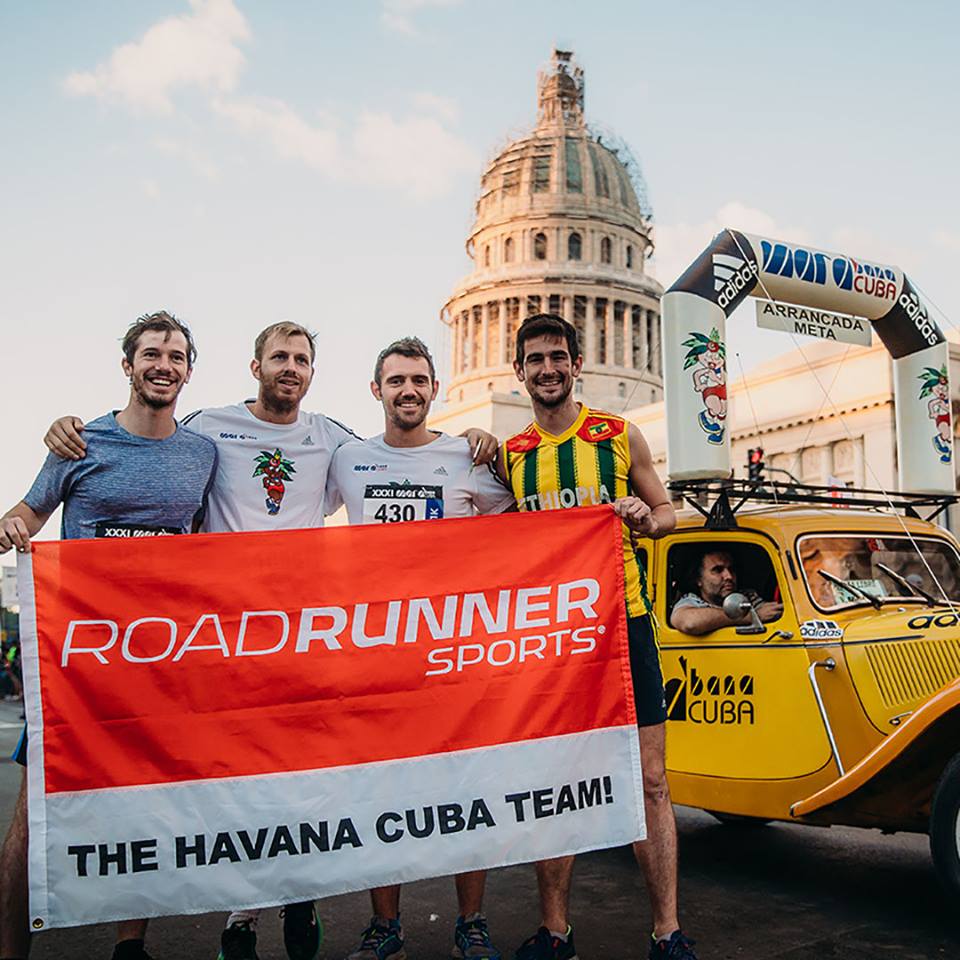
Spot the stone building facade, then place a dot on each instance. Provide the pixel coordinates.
(562, 226)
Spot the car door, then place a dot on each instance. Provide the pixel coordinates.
(740, 705)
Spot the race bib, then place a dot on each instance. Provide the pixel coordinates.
(400, 502)
(110, 529)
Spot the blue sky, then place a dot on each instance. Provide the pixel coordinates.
(241, 162)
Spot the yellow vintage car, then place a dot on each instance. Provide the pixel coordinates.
(845, 708)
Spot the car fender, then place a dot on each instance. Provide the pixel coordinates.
(892, 785)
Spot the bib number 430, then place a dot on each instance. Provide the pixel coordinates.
(395, 512)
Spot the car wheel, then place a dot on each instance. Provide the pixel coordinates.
(737, 820)
(945, 827)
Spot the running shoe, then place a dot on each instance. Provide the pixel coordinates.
(382, 940)
(472, 939)
(130, 950)
(543, 945)
(238, 942)
(678, 947)
(302, 931)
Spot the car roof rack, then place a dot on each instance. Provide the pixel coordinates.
(728, 496)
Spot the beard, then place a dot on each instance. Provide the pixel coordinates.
(721, 594)
(276, 401)
(141, 388)
(557, 400)
(404, 423)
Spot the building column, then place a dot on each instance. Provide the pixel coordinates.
(826, 464)
(859, 466)
(566, 307)
(484, 333)
(590, 347)
(628, 335)
(644, 350)
(457, 350)
(610, 334)
(502, 317)
(656, 357)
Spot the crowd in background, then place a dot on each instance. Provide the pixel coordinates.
(11, 677)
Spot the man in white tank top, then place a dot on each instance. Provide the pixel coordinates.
(411, 473)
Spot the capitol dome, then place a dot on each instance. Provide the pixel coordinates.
(562, 226)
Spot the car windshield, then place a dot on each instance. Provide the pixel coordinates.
(932, 566)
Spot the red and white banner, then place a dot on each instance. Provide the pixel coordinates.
(241, 720)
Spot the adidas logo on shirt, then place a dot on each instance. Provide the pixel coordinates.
(308, 442)
(440, 471)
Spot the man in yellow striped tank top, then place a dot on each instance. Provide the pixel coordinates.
(573, 456)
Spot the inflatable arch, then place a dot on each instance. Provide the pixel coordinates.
(738, 265)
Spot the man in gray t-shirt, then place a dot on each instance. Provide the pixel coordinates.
(144, 475)
(128, 485)
(714, 577)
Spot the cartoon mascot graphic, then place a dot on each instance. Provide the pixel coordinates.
(708, 355)
(274, 468)
(937, 388)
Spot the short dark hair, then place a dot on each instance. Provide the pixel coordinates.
(162, 322)
(405, 347)
(285, 328)
(549, 325)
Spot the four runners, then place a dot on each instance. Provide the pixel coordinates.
(281, 468)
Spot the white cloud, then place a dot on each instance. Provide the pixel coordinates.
(445, 108)
(416, 153)
(398, 15)
(287, 132)
(199, 49)
(194, 159)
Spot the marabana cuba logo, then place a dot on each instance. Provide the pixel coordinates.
(715, 699)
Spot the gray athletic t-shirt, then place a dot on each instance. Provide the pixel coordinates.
(127, 486)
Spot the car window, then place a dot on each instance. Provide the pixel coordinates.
(929, 564)
(754, 570)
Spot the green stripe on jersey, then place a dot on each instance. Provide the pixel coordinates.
(566, 466)
(530, 473)
(606, 466)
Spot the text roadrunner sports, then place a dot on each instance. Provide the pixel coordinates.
(467, 616)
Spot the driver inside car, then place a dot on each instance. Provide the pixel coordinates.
(711, 579)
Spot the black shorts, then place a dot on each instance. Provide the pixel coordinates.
(648, 695)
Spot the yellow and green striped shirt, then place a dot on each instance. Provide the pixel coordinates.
(588, 464)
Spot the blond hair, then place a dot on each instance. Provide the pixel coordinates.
(284, 328)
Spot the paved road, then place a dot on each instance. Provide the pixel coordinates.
(784, 892)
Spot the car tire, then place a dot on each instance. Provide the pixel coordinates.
(945, 827)
(737, 820)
